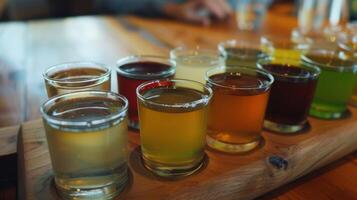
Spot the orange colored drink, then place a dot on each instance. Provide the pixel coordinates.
(237, 109)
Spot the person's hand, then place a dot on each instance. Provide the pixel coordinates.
(199, 11)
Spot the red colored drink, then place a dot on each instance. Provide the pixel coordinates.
(135, 70)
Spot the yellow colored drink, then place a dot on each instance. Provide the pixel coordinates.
(173, 123)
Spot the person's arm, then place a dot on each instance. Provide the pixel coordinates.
(27, 9)
(143, 7)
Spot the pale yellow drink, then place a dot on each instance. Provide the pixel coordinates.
(192, 64)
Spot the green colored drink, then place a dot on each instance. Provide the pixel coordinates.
(335, 86)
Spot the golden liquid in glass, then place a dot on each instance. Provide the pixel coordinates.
(172, 138)
(77, 79)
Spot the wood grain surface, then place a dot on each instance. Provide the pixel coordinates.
(27, 48)
(281, 159)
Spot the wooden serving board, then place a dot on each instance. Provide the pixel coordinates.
(246, 176)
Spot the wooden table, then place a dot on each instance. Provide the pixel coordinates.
(27, 48)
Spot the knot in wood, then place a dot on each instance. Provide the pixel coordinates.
(278, 162)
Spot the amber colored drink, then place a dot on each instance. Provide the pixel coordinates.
(237, 109)
(87, 140)
(81, 76)
(173, 124)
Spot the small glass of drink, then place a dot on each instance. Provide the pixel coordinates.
(284, 50)
(242, 53)
(237, 110)
(76, 76)
(173, 124)
(192, 64)
(135, 70)
(336, 83)
(87, 140)
(290, 96)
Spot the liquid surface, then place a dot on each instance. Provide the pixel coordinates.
(77, 80)
(85, 109)
(174, 137)
(168, 96)
(243, 57)
(330, 61)
(244, 53)
(148, 69)
(280, 71)
(78, 74)
(239, 81)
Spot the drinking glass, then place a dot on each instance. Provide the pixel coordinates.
(173, 124)
(237, 110)
(87, 139)
(192, 64)
(336, 83)
(242, 53)
(290, 96)
(135, 70)
(285, 50)
(250, 13)
(76, 76)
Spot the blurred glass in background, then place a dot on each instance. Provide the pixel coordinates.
(316, 14)
(250, 13)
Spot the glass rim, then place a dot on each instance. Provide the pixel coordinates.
(138, 58)
(256, 70)
(77, 64)
(286, 42)
(203, 100)
(194, 51)
(305, 59)
(245, 44)
(315, 71)
(82, 94)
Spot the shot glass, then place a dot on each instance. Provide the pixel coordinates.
(242, 53)
(237, 110)
(135, 70)
(192, 64)
(336, 83)
(173, 124)
(285, 50)
(76, 76)
(290, 96)
(87, 140)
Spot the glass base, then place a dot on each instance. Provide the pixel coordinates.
(134, 124)
(232, 148)
(327, 115)
(171, 171)
(283, 128)
(108, 191)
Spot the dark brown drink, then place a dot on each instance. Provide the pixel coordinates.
(290, 97)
